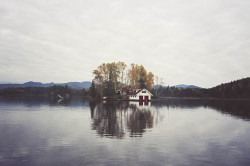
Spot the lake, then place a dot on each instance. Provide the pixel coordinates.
(39, 132)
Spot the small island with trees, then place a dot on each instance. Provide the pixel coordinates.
(113, 81)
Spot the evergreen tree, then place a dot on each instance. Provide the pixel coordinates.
(93, 91)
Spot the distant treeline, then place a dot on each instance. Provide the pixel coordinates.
(52, 91)
(239, 89)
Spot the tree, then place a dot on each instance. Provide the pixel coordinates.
(108, 76)
(121, 68)
(139, 78)
(150, 80)
(93, 91)
(142, 77)
(133, 75)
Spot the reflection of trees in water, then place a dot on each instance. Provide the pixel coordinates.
(116, 119)
(237, 108)
(92, 105)
(106, 120)
(41, 100)
(138, 121)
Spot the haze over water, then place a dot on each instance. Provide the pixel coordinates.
(174, 132)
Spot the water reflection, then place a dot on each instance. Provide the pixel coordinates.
(182, 132)
(236, 108)
(115, 120)
(43, 101)
(118, 119)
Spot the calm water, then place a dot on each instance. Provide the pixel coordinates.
(173, 132)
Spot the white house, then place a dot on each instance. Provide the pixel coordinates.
(139, 95)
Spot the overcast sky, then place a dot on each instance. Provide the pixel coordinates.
(199, 42)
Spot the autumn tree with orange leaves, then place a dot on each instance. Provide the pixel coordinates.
(139, 78)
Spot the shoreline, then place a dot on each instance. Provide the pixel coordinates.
(192, 98)
(93, 99)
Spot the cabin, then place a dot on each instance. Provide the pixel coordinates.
(139, 95)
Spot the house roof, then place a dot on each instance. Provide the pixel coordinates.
(135, 93)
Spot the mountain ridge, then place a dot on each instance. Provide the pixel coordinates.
(184, 86)
(73, 85)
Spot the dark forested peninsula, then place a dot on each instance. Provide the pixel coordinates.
(54, 91)
(239, 89)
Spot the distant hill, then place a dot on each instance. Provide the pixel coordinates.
(77, 85)
(183, 86)
(158, 86)
(73, 85)
(239, 89)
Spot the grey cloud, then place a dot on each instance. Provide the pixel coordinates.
(202, 43)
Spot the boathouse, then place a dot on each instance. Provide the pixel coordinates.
(139, 95)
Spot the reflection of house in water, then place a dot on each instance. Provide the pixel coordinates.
(140, 105)
(139, 119)
(116, 120)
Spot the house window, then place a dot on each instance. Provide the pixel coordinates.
(144, 91)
